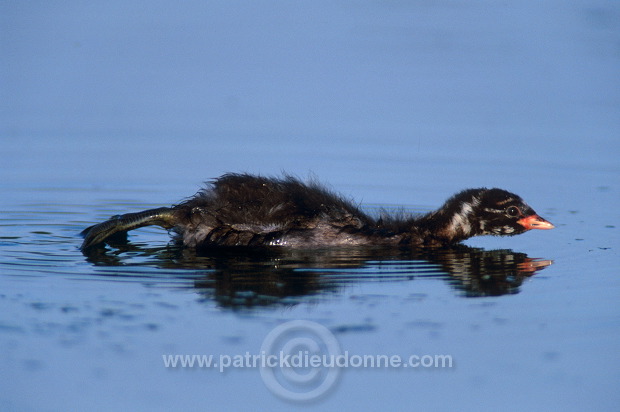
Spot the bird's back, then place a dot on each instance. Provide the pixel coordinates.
(241, 209)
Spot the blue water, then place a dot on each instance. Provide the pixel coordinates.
(120, 106)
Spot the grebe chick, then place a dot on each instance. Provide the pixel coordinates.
(248, 210)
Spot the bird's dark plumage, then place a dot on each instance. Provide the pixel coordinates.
(248, 210)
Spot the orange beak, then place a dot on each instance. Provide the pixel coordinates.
(534, 222)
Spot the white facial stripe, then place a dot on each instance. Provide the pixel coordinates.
(466, 209)
(503, 202)
(459, 222)
(504, 230)
(461, 219)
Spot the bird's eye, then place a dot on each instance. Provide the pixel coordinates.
(513, 211)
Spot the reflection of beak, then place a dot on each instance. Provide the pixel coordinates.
(532, 265)
(534, 222)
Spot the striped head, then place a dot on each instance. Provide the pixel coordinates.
(489, 212)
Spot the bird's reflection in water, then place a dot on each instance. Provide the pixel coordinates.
(244, 278)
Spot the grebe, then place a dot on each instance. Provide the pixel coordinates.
(248, 210)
